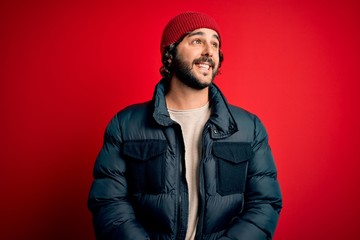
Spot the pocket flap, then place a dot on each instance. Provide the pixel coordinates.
(235, 152)
(144, 150)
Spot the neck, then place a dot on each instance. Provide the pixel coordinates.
(182, 97)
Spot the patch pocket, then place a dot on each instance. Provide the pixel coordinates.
(231, 163)
(145, 165)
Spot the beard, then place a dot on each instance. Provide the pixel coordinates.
(182, 70)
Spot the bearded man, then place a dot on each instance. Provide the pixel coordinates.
(187, 164)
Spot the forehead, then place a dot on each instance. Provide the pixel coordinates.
(206, 32)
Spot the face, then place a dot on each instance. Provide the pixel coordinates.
(197, 58)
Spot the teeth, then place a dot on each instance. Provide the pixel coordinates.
(204, 66)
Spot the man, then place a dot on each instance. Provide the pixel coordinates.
(186, 165)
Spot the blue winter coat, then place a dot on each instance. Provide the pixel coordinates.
(140, 191)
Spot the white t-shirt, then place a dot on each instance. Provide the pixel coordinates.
(192, 124)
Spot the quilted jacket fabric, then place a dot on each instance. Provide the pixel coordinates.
(140, 191)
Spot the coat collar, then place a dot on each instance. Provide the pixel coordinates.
(221, 121)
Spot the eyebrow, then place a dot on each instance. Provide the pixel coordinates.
(202, 33)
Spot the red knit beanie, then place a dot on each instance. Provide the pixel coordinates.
(184, 23)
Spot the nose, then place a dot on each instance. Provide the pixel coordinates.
(208, 50)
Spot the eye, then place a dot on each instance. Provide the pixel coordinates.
(196, 41)
(215, 45)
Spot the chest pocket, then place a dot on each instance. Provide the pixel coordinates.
(145, 165)
(231, 165)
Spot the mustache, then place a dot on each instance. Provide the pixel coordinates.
(204, 59)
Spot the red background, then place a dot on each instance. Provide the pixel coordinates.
(68, 66)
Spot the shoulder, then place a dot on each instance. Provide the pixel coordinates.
(241, 114)
(134, 110)
(129, 116)
(247, 120)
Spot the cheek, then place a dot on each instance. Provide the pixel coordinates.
(217, 59)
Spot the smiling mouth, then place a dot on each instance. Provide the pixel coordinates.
(205, 66)
(205, 63)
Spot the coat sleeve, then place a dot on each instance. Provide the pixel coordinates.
(262, 197)
(113, 215)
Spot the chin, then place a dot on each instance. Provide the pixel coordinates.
(208, 78)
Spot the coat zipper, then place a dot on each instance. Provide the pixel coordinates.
(179, 230)
(201, 188)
